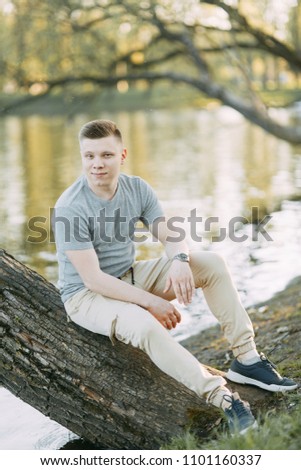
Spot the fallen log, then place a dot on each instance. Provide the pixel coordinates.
(112, 396)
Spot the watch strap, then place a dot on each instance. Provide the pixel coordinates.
(182, 257)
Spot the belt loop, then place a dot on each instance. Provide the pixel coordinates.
(132, 275)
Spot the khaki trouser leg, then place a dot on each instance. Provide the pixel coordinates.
(212, 275)
(134, 325)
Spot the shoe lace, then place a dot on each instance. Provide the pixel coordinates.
(269, 364)
(237, 405)
(265, 359)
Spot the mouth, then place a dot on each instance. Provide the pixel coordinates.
(99, 175)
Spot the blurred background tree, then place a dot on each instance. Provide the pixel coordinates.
(243, 53)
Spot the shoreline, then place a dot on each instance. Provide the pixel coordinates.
(73, 100)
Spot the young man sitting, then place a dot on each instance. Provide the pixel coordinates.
(105, 290)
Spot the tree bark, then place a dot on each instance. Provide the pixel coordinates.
(112, 396)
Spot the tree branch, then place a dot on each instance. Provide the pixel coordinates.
(113, 396)
(207, 86)
(183, 38)
(267, 42)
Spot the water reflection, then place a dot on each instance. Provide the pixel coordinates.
(210, 161)
(268, 171)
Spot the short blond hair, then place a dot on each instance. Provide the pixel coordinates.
(98, 129)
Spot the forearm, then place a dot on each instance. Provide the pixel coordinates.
(167, 237)
(174, 248)
(112, 287)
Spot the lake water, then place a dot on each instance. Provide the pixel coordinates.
(208, 162)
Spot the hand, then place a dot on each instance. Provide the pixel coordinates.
(180, 278)
(164, 312)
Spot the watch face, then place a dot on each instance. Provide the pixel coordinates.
(182, 257)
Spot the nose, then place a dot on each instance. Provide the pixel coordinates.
(98, 162)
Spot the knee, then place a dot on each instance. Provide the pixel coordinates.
(208, 264)
(218, 263)
(208, 259)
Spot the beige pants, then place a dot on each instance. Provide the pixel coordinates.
(134, 325)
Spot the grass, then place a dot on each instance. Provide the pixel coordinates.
(278, 430)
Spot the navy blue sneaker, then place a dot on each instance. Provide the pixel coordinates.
(262, 374)
(239, 416)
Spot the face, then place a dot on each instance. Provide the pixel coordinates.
(101, 160)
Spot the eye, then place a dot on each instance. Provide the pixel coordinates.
(108, 155)
(89, 156)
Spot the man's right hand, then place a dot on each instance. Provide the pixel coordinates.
(164, 312)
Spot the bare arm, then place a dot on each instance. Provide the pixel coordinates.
(86, 264)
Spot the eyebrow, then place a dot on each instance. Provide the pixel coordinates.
(104, 151)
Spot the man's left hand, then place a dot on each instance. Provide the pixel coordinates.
(180, 278)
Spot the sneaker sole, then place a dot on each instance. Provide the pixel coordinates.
(253, 426)
(241, 379)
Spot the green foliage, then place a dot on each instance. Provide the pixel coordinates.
(228, 53)
(44, 41)
(278, 430)
(187, 441)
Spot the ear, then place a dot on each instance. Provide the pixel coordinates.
(123, 155)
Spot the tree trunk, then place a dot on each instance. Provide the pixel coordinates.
(110, 395)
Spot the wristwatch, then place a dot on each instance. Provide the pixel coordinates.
(182, 257)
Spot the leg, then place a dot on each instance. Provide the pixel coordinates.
(133, 325)
(211, 274)
(223, 300)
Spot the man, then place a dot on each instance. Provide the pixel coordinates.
(106, 291)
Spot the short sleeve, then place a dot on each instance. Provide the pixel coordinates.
(71, 230)
(151, 207)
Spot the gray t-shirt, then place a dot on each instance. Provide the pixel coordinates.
(81, 220)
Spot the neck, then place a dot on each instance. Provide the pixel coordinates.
(106, 192)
